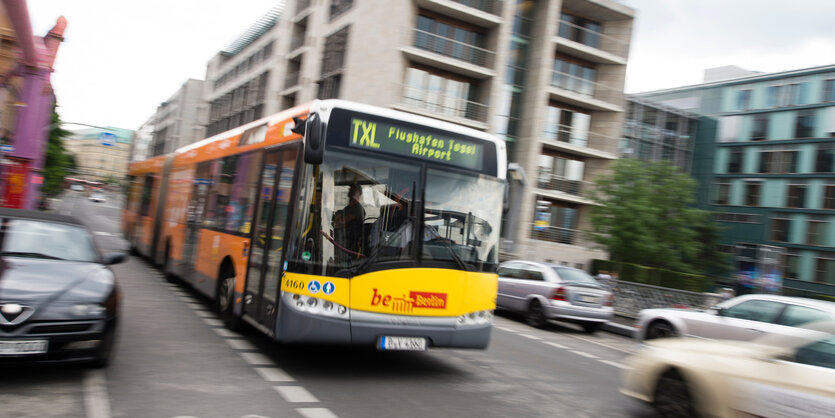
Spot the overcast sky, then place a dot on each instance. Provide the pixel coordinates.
(121, 59)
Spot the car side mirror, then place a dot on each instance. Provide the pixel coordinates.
(113, 258)
(718, 310)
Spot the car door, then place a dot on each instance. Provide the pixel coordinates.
(532, 284)
(744, 321)
(510, 287)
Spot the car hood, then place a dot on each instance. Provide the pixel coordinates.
(40, 282)
(741, 349)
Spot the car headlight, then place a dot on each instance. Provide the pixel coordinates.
(87, 309)
(476, 318)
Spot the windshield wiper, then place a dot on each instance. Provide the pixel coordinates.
(363, 266)
(461, 263)
(30, 254)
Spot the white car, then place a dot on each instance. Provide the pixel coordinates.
(77, 187)
(774, 376)
(742, 318)
(97, 197)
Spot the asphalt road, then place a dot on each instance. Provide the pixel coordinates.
(174, 359)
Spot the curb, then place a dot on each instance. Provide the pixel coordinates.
(619, 329)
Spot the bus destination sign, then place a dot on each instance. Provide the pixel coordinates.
(402, 140)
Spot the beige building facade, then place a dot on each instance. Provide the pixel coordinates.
(101, 154)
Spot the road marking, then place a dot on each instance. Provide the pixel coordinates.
(213, 322)
(225, 333)
(616, 364)
(96, 401)
(240, 344)
(507, 329)
(316, 413)
(601, 344)
(295, 394)
(205, 314)
(256, 359)
(273, 374)
(583, 354)
(196, 306)
(555, 344)
(533, 337)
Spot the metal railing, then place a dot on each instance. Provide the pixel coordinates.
(449, 47)
(564, 133)
(493, 7)
(593, 39)
(582, 86)
(436, 102)
(630, 298)
(561, 184)
(560, 235)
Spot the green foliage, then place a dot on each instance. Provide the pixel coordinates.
(654, 276)
(58, 160)
(645, 217)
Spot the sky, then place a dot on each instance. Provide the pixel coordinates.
(121, 59)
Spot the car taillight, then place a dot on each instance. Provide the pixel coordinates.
(559, 294)
(610, 300)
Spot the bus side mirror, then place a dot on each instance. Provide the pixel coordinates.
(314, 140)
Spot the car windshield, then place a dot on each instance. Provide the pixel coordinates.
(575, 276)
(40, 239)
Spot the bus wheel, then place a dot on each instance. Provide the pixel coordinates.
(226, 301)
(166, 264)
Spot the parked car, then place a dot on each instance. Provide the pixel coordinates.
(773, 376)
(59, 300)
(543, 291)
(97, 197)
(77, 187)
(740, 318)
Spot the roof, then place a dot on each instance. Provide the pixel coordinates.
(822, 304)
(41, 216)
(255, 31)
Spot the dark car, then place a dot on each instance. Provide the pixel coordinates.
(59, 300)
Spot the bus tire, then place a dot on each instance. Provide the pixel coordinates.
(166, 264)
(226, 299)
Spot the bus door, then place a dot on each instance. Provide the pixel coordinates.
(267, 249)
(194, 219)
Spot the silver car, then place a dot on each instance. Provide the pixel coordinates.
(543, 291)
(742, 318)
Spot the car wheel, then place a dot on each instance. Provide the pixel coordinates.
(591, 327)
(536, 315)
(672, 397)
(661, 329)
(226, 302)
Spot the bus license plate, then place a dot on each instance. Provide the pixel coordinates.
(23, 347)
(403, 343)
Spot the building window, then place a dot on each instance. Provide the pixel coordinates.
(579, 29)
(773, 95)
(791, 261)
(333, 63)
(443, 93)
(825, 270)
(574, 75)
(566, 125)
(780, 229)
(776, 160)
(804, 124)
(816, 232)
(735, 161)
(743, 99)
(825, 158)
(760, 128)
(829, 196)
(796, 196)
(339, 7)
(555, 222)
(560, 172)
(451, 39)
(797, 94)
(829, 90)
(723, 193)
(752, 193)
(729, 128)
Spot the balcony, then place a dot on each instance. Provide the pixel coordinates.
(566, 140)
(583, 92)
(484, 13)
(561, 235)
(438, 105)
(591, 45)
(291, 79)
(449, 47)
(561, 184)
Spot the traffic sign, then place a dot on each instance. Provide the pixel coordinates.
(107, 139)
(6, 148)
(328, 288)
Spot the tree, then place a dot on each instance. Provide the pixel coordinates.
(645, 216)
(58, 160)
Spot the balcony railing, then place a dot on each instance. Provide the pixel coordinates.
(436, 102)
(490, 6)
(561, 184)
(291, 79)
(565, 134)
(593, 39)
(581, 85)
(454, 49)
(560, 235)
(297, 42)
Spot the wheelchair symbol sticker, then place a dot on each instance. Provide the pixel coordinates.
(313, 287)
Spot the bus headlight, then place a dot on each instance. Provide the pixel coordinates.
(318, 306)
(476, 318)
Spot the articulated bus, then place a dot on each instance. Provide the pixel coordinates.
(332, 222)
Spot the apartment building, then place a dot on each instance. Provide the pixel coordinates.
(771, 178)
(177, 120)
(653, 132)
(101, 154)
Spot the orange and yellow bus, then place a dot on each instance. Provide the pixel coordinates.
(332, 222)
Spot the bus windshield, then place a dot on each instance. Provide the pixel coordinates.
(360, 211)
